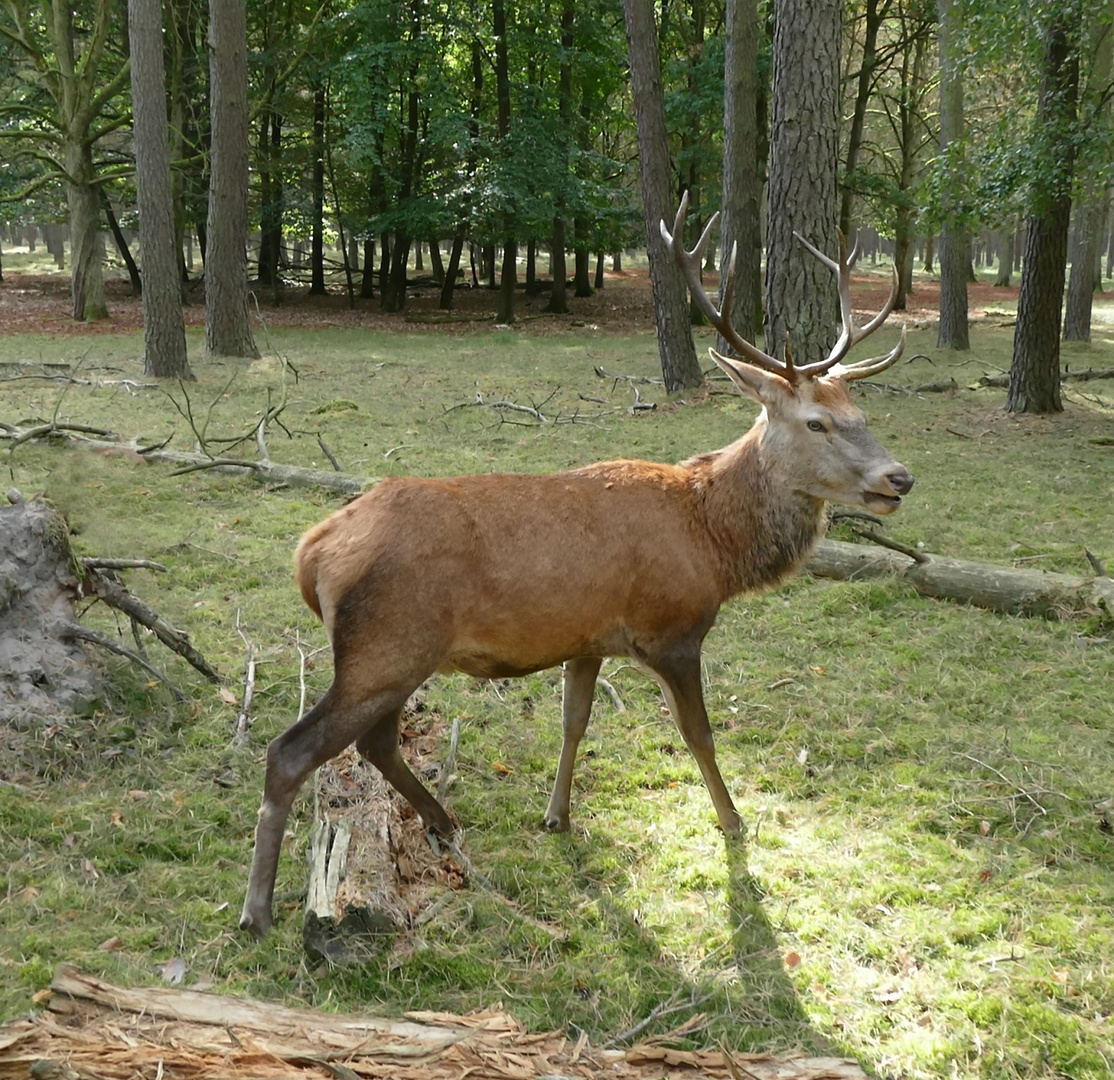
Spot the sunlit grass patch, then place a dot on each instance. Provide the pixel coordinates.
(924, 883)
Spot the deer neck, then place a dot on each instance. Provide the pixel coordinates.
(763, 530)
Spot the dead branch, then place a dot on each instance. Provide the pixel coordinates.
(243, 719)
(95, 637)
(449, 762)
(612, 693)
(114, 594)
(619, 377)
(884, 541)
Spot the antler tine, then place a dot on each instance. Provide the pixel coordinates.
(863, 369)
(689, 263)
(850, 335)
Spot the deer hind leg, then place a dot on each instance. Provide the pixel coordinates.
(324, 731)
(379, 745)
(576, 707)
(679, 676)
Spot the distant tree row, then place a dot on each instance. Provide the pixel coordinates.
(379, 125)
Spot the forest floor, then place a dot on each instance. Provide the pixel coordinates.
(39, 302)
(924, 883)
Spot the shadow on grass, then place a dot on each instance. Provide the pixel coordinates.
(553, 934)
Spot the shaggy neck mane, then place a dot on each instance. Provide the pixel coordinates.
(762, 531)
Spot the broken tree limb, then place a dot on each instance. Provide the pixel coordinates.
(269, 471)
(998, 588)
(114, 594)
(95, 637)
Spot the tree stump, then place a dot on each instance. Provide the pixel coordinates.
(43, 670)
(372, 871)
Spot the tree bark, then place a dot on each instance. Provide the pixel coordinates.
(671, 310)
(1093, 207)
(801, 302)
(227, 326)
(740, 225)
(954, 243)
(317, 242)
(164, 328)
(1035, 371)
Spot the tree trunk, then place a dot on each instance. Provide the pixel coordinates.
(671, 310)
(873, 16)
(1085, 252)
(740, 226)
(451, 271)
(1094, 205)
(1035, 371)
(955, 241)
(86, 256)
(559, 292)
(1004, 238)
(164, 328)
(582, 258)
(121, 244)
(801, 301)
(507, 281)
(227, 327)
(317, 242)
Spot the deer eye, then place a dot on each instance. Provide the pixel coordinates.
(816, 425)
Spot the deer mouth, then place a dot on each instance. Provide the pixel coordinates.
(880, 502)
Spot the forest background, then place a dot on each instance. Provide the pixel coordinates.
(927, 880)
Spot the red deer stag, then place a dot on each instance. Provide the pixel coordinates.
(504, 575)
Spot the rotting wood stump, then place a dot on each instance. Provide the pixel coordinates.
(43, 670)
(372, 871)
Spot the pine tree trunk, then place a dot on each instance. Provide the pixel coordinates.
(227, 327)
(671, 310)
(1035, 371)
(317, 242)
(740, 226)
(164, 328)
(801, 302)
(954, 243)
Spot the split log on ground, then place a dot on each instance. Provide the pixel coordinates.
(999, 588)
(95, 1029)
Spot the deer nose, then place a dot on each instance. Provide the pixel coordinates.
(901, 480)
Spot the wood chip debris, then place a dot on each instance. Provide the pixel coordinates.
(93, 1030)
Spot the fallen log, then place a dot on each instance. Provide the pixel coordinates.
(94, 1030)
(996, 588)
(1003, 589)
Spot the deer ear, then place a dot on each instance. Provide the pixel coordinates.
(763, 386)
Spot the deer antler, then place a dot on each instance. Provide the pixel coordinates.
(691, 261)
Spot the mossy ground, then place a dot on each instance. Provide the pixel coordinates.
(924, 884)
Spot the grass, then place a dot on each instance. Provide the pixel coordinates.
(924, 884)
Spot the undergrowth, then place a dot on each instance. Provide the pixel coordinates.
(924, 884)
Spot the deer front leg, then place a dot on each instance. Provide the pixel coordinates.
(679, 676)
(576, 707)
